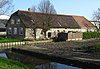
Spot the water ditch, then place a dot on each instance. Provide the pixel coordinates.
(39, 62)
(35, 62)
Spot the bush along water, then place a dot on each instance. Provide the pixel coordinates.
(88, 35)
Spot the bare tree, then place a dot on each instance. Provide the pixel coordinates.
(45, 6)
(33, 8)
(47, 19)
(96, 17)
(5, 6)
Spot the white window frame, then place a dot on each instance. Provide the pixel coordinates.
(33, 32)
(15, 30)
(12, 21)
(9, 30)
(18, 21)
(21, 30)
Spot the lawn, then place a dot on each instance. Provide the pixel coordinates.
(11, 64)
(5, 40)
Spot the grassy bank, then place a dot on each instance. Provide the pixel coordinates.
(11, 64)
(93, 48)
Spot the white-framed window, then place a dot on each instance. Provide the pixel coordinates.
(33, 32)
(18, 21)
(12, 21)
(9, 30)
(15, 30)
(21, 30)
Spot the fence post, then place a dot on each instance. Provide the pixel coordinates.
(3, 45)
(20, 44)
(0, 45)
(12, 44)
(7, 45)
(15, 44)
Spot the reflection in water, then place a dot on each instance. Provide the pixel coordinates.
(3, 55)
(62, 66)
(31, 61)
(54, 65)
(47, 66)
(37, 63)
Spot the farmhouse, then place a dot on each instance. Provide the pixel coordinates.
(27, 24)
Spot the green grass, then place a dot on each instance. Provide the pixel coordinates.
(5, 40)
(11, 64)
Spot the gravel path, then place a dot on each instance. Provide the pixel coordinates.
(68, 45)
(69, 48)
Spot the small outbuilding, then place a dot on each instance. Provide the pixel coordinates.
(2, 27)
(69, 36)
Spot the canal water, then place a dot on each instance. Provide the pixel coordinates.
(36, 62)
(53, 65)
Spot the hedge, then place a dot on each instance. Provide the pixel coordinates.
(88, 35)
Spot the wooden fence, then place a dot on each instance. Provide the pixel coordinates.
(13, 44)
(75, 36)
(69, 36)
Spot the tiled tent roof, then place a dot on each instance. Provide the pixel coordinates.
(83, 22)
(61, 21)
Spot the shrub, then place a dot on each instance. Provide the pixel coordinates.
(88, 35)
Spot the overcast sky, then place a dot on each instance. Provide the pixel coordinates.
(73, 7)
